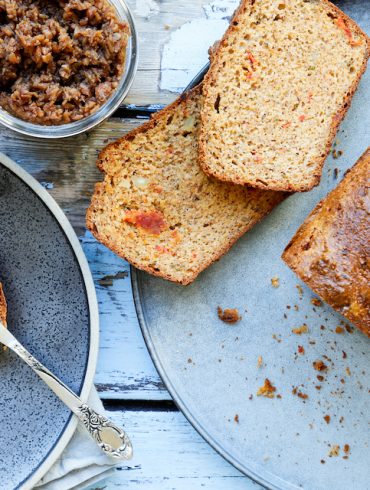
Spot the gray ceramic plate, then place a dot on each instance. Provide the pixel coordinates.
(53, 312)
(210, 368)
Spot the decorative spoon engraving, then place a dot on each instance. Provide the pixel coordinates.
(109, 437)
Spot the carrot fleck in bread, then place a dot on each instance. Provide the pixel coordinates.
(157, 209)
(280, 82)
(331, 250)
(3, 308)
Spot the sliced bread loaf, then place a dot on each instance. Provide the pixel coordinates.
(279, 84)
(331, 250)
(3, 308)
(158, 210)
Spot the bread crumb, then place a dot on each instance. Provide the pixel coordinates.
(228, 315)
(299, 393)
(304, 396)
(300, 330)
(275, 282)
(316, 302)
(301, 349)
(327, 419)
(339, 329)
(300, 289)
(334, 451)
(275, 337)
(259, 362)
(267, 390)
(337, 154)
(319, 365)
(346, 448)
(348, 371)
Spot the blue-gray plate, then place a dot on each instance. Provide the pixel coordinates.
(212, 371)
(53, 311)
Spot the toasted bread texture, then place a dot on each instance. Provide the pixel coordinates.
(331, 250)
(3, 307)
(280, 82)
(158, 210)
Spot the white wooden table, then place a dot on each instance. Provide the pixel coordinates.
(169, 454)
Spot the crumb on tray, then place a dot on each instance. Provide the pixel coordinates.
(319, 365)
(334, 451)
(267, 390)
(300, 330)
(275, 282)
(316, 302)
(228, 315)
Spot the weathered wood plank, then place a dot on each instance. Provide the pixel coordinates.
(169, 455)
(125, 370)
(155, 20)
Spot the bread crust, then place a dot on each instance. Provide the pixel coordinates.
(272, 199)
(211, 77)
(3, 306)
(331, 249)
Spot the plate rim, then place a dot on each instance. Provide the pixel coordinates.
(58, 214)
(257, 478)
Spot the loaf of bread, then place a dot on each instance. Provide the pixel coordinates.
(158, 210)
(3, 308)
(331, 250)
(280, 82)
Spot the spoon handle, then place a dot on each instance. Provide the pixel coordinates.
(109, 437)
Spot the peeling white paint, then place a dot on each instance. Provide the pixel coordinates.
(186, 51)
(146, 8)
(47, 185)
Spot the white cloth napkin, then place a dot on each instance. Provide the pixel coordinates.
(82, 462)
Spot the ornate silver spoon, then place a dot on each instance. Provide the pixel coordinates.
(109, 437)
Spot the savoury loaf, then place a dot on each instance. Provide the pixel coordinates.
(158, 210)
(331, 250)
(3, 308)
(280, 82)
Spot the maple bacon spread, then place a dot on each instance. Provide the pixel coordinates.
(59, 60)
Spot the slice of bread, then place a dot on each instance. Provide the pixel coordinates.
(3, 307)
(280, 82)
(331, 250)
(158, 210)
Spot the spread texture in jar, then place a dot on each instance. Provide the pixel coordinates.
(59, 60)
